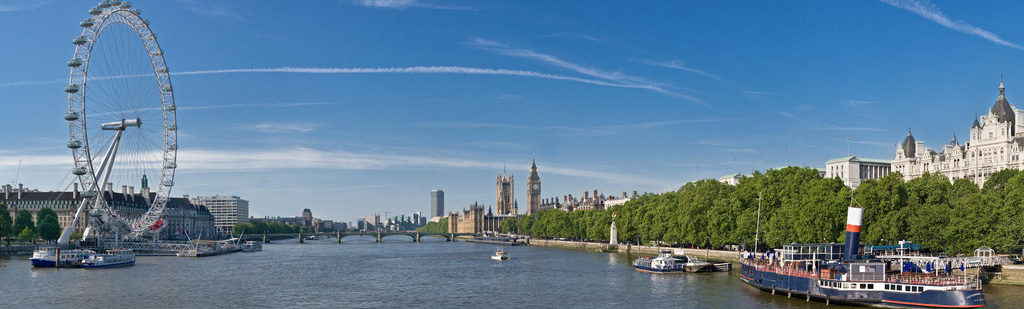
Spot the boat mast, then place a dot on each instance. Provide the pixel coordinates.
(758, 230)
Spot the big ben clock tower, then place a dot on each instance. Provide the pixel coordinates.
(533, 190)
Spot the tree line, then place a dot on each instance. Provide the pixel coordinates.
(268, 228)
(438, 227)
(798, 205)
(23, 228)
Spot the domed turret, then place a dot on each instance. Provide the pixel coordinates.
(1002, 110)
(909, 147)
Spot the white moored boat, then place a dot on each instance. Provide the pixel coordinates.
(47, 257)
(113, 258)
(251, 246)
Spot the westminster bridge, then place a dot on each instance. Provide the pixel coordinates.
(339, 235)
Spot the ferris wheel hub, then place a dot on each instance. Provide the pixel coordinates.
(124, 123)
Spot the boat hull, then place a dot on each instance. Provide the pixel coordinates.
(44, 263)
(658, 270)
(109, 265)
(791, 285)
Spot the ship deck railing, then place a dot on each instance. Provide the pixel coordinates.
(951, 281)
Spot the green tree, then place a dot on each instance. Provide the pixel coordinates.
(49, 228)
(6, 223)
(42, 214)
(508, 225)
(439, 227)
(23, 220)
(240, 228)
(27, 234)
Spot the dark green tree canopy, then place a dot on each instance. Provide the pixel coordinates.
(23, 220)
(6, 223)
(798, 205)
(49, 228)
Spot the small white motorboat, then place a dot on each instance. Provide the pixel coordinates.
(500, 255)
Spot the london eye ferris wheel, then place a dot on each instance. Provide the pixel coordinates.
(121, 119)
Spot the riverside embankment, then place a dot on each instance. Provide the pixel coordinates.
(1009, 275)
(715, 255)
(17, 249)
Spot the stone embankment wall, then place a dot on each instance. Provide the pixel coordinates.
(1010, 274)
(16, 249)
(714, 255)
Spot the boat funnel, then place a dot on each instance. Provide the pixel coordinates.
(853, 219)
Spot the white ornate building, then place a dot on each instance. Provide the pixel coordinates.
(996, 143)
(853, 170)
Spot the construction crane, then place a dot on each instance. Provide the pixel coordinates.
(17, 175)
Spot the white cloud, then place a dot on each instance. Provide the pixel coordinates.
(391, 70)
(619, 78)
(281, 127)
(211, 8)
(407, 4)
(838, 128)
(308, 158)
(21, 5)
(679, 65)
(415, 70)
(585, 131)
(931, 12)
(857, 102)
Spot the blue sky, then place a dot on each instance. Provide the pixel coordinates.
(356, 107)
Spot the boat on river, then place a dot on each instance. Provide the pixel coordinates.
(252, 246)
(500, 255)
(70, 258)
(839, 273)
(666, 262)
(113, 258)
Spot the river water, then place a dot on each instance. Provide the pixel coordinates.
(396, 273)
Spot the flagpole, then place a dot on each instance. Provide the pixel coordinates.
(847, 145)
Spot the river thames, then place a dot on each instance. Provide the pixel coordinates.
(397, 273)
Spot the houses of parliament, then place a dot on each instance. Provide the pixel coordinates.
(476, 219)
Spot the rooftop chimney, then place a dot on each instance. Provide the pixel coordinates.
(20, 189)
(74, 194)
(595, 194)
(7, 192)
(124, 192)
(131, 191)
(624, 194)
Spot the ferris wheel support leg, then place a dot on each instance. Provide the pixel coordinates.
(108, 161)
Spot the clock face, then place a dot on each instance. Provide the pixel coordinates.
(536, 186)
